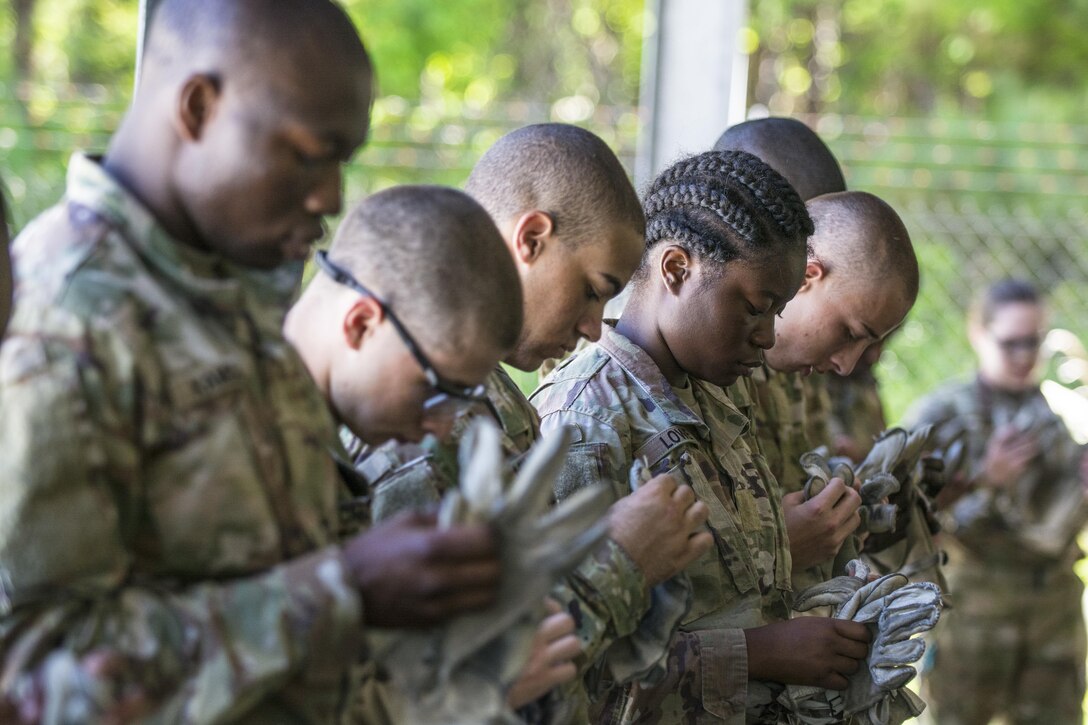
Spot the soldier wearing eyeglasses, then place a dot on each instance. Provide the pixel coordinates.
(1014, 643)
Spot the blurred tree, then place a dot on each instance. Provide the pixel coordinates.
(482, 50)
(24, 38)
(1008, 59)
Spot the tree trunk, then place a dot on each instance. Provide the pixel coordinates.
(24, 38)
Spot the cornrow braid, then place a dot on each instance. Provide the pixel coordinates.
(725, 205)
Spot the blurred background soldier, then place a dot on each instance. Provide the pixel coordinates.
(1014, 645)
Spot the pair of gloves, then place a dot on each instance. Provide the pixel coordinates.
(460, 671)
(894, 610)
(896, 481)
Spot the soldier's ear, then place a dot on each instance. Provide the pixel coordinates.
(675, 267)
(361, 321)
(197, 105)
(532, 234)
(815, 273)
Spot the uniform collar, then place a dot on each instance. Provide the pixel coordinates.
(723, 417)
(201, 275)
(659, 393)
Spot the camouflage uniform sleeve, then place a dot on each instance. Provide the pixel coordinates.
(620, 621)
(607, 596)
(200, 651)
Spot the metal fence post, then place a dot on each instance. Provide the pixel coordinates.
(694, 79)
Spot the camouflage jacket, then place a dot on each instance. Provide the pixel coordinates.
(817, 397)
(857, 413)
(1034, 523)
(606, 595)
(781, 424)
(169, 497)
(622, 408)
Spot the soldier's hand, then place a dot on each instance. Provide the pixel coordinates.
(816, 651)
(1008, 454)
(818, 527)
(661, 527)
(412, 574)
(551, 662)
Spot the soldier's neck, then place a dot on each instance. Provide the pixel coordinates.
(639, 325)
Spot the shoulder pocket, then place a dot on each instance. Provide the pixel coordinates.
(587, 464)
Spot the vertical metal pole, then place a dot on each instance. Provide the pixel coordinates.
(694, 85)
(694, 79)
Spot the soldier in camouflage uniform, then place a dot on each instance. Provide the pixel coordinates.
(574, 228)
(725, 251)
(168, 548)
(817, 528)
(397, 251)
(1014, 645)
(860, 281)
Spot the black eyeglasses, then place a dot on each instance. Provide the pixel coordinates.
(475, 394)
(1030, 343)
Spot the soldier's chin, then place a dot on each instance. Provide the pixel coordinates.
(726, 379)
(525, 359)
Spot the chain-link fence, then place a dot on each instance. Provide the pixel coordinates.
(435, 143)
(981, 200)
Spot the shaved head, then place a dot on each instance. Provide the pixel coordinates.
(859, 236)
(860, 282)
(435, 256)
(263, 44)
(792, 149)
(245, 112)
(563, 170)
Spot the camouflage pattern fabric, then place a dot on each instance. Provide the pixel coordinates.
(606, 595)
(622, 409)
(857, 413)
(782, 424)
(1014, 643)
(169, 498)
(817, 396)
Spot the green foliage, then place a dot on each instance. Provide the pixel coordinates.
(918, 57)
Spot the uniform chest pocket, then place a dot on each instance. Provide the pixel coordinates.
(724, 571)
(206, 507)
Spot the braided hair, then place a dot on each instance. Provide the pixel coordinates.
(724, 206)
